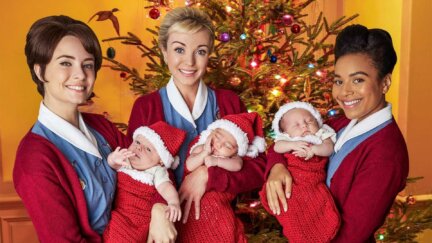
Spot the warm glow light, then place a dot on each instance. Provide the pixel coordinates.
(254, 204)
(276, 92)
(228, 9)
(283, 80)
(319, 73)
(254, 64)
(277, 76)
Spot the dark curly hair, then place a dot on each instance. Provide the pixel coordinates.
(375, 43)
(44, 36)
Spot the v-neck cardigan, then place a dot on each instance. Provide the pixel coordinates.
(148, 109)
(50, 188)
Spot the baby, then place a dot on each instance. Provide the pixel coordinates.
(306, 144)
(142, 168)
(227, 143)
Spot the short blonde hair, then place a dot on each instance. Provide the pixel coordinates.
(185, 20)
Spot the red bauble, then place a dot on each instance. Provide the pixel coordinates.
(295, 28)
(154, 13)
(411, 200)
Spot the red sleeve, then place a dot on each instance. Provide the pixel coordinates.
(381, 169)
(49, 195)
(146, 110)
(251, 176)
(273, 158)
(369, 201)
(108, 130)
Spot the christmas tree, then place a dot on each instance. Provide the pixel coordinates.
(264, 51)
(269, 54)
(406, 219)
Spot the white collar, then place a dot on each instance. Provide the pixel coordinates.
(81, 138)
(177, 101)
(355, 129)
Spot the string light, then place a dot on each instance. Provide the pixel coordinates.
(277, 76)
(283, 80)
(276, 92)
(254, 204)
(228, 9)
(254, 64)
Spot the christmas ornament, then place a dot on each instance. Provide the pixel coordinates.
(123, 75)
(243, 36)
(234, 81)
(104, 15)
(224, 37)
(154, 13)
(411, 200)
(295, 28)
(273, 59)
(111, 52)
(287, 19)
(260, 47)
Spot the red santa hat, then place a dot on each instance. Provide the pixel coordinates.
(166, 139)
(246, 128)
(293, 105)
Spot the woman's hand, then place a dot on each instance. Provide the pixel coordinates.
(192, 189)
(161, 229)
(278, 177)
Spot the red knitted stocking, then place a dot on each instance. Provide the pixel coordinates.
(312, 215)
(217, 221)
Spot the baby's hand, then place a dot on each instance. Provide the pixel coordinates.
(299, 146)
(208, 146)
(173, 212)
(304, 153)
(118, 158)
(210, 161)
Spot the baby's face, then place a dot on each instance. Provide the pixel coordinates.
(223, 143)
(146, 155)
(298, 123)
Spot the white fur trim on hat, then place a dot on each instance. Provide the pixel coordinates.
(258, 145)
(296, 104)
(158, 143)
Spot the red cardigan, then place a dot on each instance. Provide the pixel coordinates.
(50, 189)
(367, 181)
(148, 109)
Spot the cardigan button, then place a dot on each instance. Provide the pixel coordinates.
(98, 162)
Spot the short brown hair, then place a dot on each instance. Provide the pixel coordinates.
(185, 19)
(44, 36)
